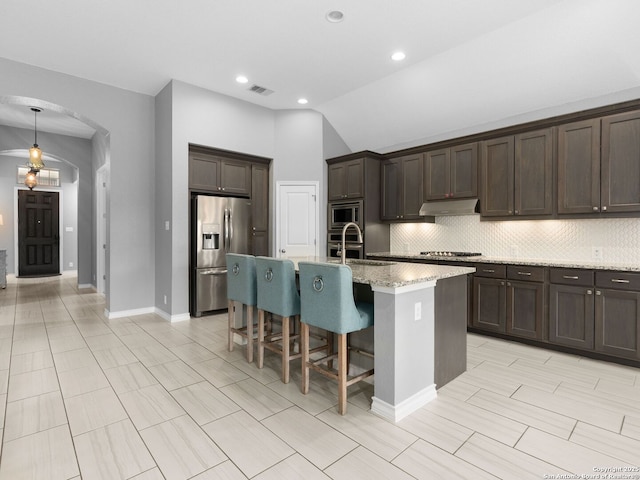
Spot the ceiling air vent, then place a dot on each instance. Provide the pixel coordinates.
(260, 90)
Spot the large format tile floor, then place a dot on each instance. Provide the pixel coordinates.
(86, 397)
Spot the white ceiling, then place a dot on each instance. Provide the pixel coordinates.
(470, 63)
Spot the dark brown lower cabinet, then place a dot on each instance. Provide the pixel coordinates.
(525, 309)
(490, 304)
(617, 322)
(571, 316)
(260, 243)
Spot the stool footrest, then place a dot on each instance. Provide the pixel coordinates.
(320, 367)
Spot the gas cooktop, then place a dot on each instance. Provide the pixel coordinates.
(449, 254)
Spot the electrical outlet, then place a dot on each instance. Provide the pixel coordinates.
(167, 225)
(417, 311)
(165, 299)
(597, 253)
(70, 264)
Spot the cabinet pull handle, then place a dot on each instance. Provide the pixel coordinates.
(618, 280)
(489, 271)
(589, 292)
(595, 209)
(598, 292)
(527, 274)
(570, 277)
(604, 208)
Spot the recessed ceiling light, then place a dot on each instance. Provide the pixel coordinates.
(303, 101)
(241, 79)
(397, 56)
(335, 16)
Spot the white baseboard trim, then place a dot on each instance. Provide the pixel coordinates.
(129, 313)
(395, 413)
(87, 285)
(181, 317)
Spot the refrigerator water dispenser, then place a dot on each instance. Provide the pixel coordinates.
(211, 237)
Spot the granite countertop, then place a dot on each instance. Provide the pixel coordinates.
(623, 267)
(392, 274)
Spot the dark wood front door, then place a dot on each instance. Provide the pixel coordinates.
(38, 233)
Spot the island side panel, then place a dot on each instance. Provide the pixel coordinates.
(404, 350)
(451, 299)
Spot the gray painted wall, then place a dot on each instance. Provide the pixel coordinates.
(163, 186)
(129, 118)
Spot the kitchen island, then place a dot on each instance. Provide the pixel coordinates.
(419, 333)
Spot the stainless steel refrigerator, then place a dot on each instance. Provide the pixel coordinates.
(220, 225)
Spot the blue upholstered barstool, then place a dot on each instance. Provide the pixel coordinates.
(241, 290)
(278, 295)
(326, 297)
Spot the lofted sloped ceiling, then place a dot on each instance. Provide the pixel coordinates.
(470, 65)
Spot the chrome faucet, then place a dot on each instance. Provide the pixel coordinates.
(343, 257)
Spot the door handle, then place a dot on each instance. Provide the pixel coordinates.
(283, 251)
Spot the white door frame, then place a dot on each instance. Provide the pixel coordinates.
(101, 226)
(279, 184)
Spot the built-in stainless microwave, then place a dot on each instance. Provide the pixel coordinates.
(341, 213)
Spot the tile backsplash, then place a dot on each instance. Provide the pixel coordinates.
(618, 239)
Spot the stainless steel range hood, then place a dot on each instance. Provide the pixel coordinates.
(463, 206)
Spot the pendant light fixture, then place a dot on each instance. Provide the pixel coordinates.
(35, 153)
(30, 179)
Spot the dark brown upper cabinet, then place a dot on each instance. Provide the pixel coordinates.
(451, 172)
(516, 175)
(620, 169)
(211, 173)
(579, 167)
(402, 188)
(346, 180)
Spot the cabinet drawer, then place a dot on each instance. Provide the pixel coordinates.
(490, 270)
(523, 272)
(618, 280)
(571, 276)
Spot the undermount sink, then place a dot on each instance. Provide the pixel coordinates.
(369, 263)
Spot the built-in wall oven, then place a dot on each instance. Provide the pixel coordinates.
(341, 213)
(353, 249)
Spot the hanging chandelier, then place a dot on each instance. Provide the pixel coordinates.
(35, 154)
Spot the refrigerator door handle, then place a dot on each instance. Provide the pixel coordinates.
(230, 226)
(216, 271)
(227, 239)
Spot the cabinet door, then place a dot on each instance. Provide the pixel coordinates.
(496, 177)
(579, 167)
(489, 304)
(525, 309)
(259, 197)
(204, 172)
(355, 178)
(337, 181)
(260, 243)
(571, 316)
(533, 170)
(464, 171)
(235, 178)
(411, 190)
(437, 174)
(620, 188)
(390, 198)
(617, 322)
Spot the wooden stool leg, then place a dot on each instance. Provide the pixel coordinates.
(304, 345)
(249, 333)
(260, 338)
(231, 325)
(342, 373)
(285, 348)
(330, 349)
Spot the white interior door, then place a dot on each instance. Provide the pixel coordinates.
(297, 219)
